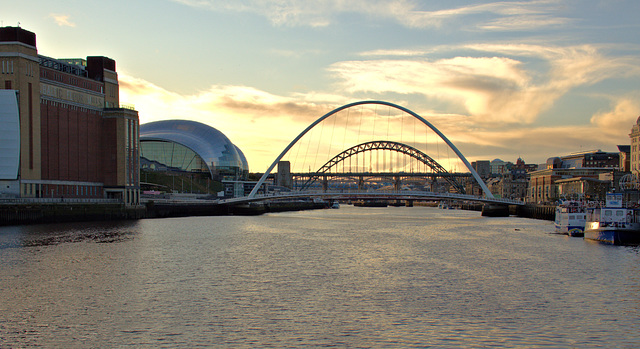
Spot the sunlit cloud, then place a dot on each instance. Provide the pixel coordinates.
(262, 123)
(509, 15)
(62, 20)
(620, 118)
(494, 88)
(506, 15)
(524, 23)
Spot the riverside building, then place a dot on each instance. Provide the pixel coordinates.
(64, 132)
(582, 175)
(634, 150)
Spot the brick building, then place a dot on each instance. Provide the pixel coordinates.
(75, 141)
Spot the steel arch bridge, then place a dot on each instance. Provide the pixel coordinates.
(385, 145)
(475, 175)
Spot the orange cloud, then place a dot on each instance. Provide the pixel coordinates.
(620, 119)
(262, 124)
(496, 88)
(62, 20)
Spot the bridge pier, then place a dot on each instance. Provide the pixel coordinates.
(495, 210)
(397, 183)
(545, 212)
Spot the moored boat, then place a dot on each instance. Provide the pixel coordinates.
(570, 218)
(613, 224)
(371, 203)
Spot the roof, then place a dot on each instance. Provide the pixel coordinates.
(580, 179)
(210, 144)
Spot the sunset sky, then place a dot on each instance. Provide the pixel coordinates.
(502, 79)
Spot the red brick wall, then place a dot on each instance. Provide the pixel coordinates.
(71, 143)
(63, 142)
(109, 151)
(94, 154)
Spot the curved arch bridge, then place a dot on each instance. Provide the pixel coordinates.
(327, 170)
(475, 175)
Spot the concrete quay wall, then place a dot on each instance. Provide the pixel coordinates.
(22, 214)
(77, 212)
(57, 213)
(544, 212)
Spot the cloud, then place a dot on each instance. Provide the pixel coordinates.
(62, 20)
(506, 15)
(509, 15)
(260, 123)
(496, 87)
(620, 118)
(529, 22)
(305, 13)
(487, 87)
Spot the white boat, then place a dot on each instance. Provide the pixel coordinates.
(613, 224)
(570, 218)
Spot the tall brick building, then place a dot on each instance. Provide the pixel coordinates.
(75, 141)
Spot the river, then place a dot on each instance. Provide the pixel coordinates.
(353, 277)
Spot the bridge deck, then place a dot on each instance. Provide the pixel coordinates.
(381, 174)
(381, 195)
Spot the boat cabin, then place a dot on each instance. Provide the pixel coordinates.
(613, 215)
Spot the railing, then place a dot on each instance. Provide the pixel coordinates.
(14, 201)
(395, 194)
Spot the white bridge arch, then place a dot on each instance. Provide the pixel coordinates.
(475, 175)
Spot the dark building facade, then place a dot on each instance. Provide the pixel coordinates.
(75, 139)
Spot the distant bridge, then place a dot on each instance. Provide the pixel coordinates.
(410, 151)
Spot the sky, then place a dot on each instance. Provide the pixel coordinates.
(501, 79)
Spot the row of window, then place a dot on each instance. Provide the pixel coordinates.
(51, 190)
(7, 67)
(111, 91)
(31, 69)
(132, 156)
(89, 85)
(70, 95)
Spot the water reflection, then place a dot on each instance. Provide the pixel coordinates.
(352, 277)
(56, 234)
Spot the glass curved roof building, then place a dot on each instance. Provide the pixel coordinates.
(183, 145)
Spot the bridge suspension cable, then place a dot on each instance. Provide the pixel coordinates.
(485, 189)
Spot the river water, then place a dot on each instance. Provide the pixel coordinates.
(354, 277)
